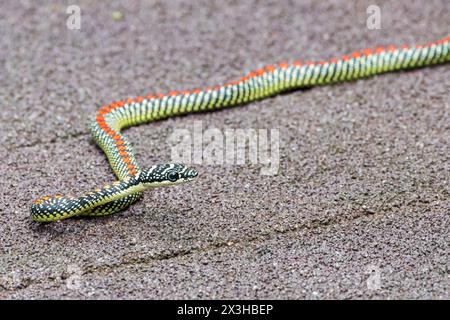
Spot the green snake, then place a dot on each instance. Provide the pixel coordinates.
(262, 83)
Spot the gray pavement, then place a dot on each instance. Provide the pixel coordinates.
(359, 208)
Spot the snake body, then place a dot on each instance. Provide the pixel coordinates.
(265, 82)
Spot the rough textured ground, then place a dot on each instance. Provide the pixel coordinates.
(359, 209)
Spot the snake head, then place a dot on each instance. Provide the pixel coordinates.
(166, 175)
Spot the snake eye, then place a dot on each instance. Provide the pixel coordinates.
(173, 176)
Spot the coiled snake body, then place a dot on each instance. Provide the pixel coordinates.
(262, 83)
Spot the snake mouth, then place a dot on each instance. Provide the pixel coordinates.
(191, 174)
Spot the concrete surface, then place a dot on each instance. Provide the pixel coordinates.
(359, 209)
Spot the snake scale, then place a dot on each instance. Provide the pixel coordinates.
(262, 83)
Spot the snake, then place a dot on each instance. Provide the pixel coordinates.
(265, 82)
